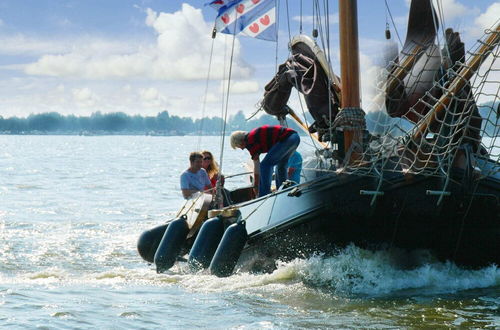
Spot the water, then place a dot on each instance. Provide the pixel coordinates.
(72, 208)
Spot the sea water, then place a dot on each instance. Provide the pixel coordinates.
(72, 208)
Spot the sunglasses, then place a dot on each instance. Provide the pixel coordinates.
(207, 158)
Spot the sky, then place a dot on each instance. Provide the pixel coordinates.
(147, 56)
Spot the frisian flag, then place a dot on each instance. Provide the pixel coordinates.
(254, 18)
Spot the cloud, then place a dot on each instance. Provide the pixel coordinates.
(483, 21)
(84, 97)
(241, 86)
(149, 94)
(451, 9)
(486, 81)
(23, 45)
(152, 98)
(181, 52)
(211, 98)
(489, 17)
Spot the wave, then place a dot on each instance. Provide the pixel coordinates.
(352, 272)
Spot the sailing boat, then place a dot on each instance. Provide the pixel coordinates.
(427, 176)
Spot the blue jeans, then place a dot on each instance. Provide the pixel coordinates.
(278, 156)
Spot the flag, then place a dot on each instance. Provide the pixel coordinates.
(254, 18)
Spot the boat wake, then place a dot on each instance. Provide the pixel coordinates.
(353, 272)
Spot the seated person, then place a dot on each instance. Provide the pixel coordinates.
(278, 142)
(195, 178)
(212, 168)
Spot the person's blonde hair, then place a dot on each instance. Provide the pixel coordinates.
(238, 139)
(213, 168)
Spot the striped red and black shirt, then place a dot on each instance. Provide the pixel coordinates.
(261, 139)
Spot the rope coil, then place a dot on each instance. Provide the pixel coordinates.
(350, 118)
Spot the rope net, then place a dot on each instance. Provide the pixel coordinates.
(433, 114)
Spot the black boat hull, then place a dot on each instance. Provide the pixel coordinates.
(328, 214)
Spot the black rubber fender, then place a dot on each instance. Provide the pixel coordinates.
(148, 242)
(171, 244)
(229, 250)
(206, 244)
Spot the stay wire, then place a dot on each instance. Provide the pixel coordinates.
(204, 105)
(223, 104)
(435, 21)
(299, 96)
(393, 24)
(277, 5)
(288, 21)
(227, 102)
(327, 49)
(300, 26)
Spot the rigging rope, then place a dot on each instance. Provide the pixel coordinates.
(204, 104)
(436, 28)
(277, 4)
(393, 24)
(224, 118)
(300, 25)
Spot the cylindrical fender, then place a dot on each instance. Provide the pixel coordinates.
(206, 243)
(171, 244)
(148, 242)
(229, 250)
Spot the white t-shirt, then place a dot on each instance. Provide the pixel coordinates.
(195, 181)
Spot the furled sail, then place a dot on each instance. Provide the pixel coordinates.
(309, 72)
(420, 74)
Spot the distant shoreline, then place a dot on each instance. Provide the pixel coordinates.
(109, 133)
(119, 123)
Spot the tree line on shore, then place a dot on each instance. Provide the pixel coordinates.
(165, 124)
(121, 123)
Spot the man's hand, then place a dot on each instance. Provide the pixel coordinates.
(186, 193)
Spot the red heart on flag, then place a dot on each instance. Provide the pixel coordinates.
(240, 8)
(219, 2)
(254, 27)
(255, 1)
(225, 18)
(265, 20)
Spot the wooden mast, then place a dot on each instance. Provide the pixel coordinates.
(349, 64)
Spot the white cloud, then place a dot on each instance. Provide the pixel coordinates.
(489, 17)
(241, 86)
(369, 76)
(451, 9)
(84, 97)
(149, 94)
(211, 98)
(483, 21)
(181, 53)
(486, 81)
(24, 45)
(152, 98)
